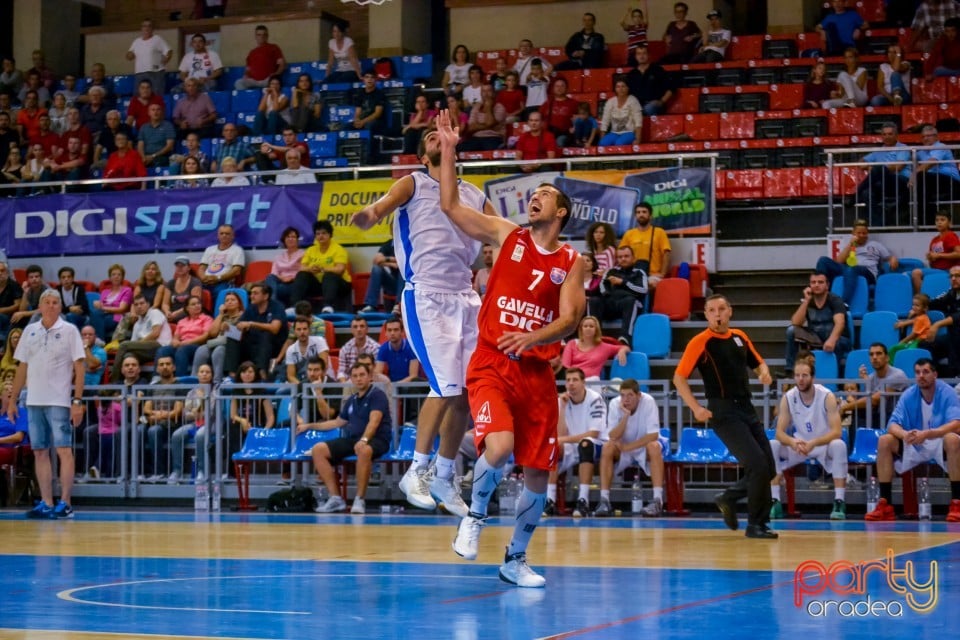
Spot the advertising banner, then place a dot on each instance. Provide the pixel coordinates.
(509, 196)
(681, 198)
(595, 202)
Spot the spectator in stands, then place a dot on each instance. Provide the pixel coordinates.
(470, 95)
(115, 299)
(456, 74)
(841, 29)
(371, 106)
(294, 173)
(395, 357)
(714, 44)
(886, 186)
(948, 303)
(221, 263)
(70, 94)
(12, 172)
(632, 437)
(634, 23)
(8, 136)
(193, 331)
(138, 111)
(189, 169)
(535, 144)
(305, 348)
(30, 300)
(286, 265)
(851, 82)
(11, 78)
(681, 37)
(537, 85)
(819, 323)
(191, 143)
(28, 118)
(893, 79)
(622, 117)
(232, 146)
(194, 420)
(9, 364)
(124, 162)
(384, 276)
(589, 353)
(367, 429)
(342, 62)
(929, 22)
(622, 292)
(98, 78)
(194, 111)
(591, 280)
(927, 417)
(420, 120)
(585, 129)
(919, 323)
(46, 138)
(558, 112)
(162, 413)
(150, 284)
(230, 177)
(58, 113)
(106, 139)
(71, 165)
(943, 252)
(150, 332)
(10, 295)
(249, 409)
(318, 326)
(273, 112)
(649, 83)
(456, 115)
(510, 100)
(94, 357)
(323, 271)
(482, 276)
(263, 61)
(485, 128)
(361, 342)
(73, 298)
(306, 106)
(178, 290)
(32, 169)
(650, 245)
(582, 418)
(937, 178)
(33, 84)
(499, 76)
(76, 129)
(215, 350)
(201, 63)
(314, 406)
(525, 57)
(156, 139)
(868, 254)
(48, 78)
(263, 328)
(150, 54)
(585, 48)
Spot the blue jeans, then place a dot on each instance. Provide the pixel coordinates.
(610, 138)
(831, 268)
(281, 290)
(178, 442)
(841, 349)
(49, 426)
(267, 124)
(382, 278)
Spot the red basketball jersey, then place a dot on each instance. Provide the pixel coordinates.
(523, 292)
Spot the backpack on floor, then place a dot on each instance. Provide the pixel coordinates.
(294, 500)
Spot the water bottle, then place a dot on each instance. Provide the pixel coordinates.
(508, 499)
(517, 490)
(215, 496)
(636, 498)
(873, 494)
(924, 509)
(201, 499)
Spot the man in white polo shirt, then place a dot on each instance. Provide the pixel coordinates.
(50, 353)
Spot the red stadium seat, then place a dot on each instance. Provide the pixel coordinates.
(487, 60)
(685, 100)
(737, 125)
(574, 80)
(745, 48)
(663, 127)
(616, 55)
(845, 121)
(257, 271)
(813, 182)
(786, 96)
(744, 184)
(597, 80)
(702, 126)
(590, 98)
(918, 114)
(672, 298)
(933, 92)
(359, 282)
(782, 183)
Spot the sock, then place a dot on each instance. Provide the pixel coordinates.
(840, 493)
(775, 491)
(584, 492)
(605, 494)
(445, 467)
(552, 492)
(886, 491)
(486, 477)
(658, 494)
(954, 490)
(420, 460)
(529, 510)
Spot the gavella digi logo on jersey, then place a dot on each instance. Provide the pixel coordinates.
(526, 316)
(866, 584)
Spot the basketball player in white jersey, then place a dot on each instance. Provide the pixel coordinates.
(439, 315)
(812, 410)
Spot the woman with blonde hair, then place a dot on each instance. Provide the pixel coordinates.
(8, 363)
(589, 352)
(150, 284)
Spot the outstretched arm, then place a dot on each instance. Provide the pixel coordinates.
(489, 229)
(399, 193)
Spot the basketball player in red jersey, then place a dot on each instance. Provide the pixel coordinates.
(534, 298)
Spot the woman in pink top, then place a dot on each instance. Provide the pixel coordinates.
(589, 352)
(114, 301)
(602, 243)
(192, 331)
(286, 265)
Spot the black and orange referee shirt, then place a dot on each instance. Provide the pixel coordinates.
(723, 360)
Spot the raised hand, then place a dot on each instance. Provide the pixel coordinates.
(449, 135)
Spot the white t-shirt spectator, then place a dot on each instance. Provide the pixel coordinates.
(149, 54)
(296, 176)
(219, 261)
(200, 65)
(143, 326)
(713, 37)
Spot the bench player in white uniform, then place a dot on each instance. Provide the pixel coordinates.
(440, 311)
(583, 417)
(815, 415)
(632, 437)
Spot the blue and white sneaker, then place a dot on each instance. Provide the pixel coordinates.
(515, 570)
(42, 511)
(62, 510)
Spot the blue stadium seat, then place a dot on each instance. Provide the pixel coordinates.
(264, 444)
(894, 292)
(123, 85)
(340, 114)
(330, 163)
(905, 265)
(637, 367)
(652, 335)
(246, 119)
(237, 290)
(321, 145)
(827, 368)
(856, 358)
(935, 282)
(245, 101)
(339, 320)
(305, 441)
(221, 101)
(403, 452)
(92, 296)
(906, 358)
(700, 446)
(877, 326)
(413, 67)
(865, 446)
(861, 296)
(293, 71)
(936, 316)
(230, 77)
(188, 380)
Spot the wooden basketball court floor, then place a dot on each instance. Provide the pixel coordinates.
(149, 574)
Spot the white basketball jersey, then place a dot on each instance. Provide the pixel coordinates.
(589, 415)
(433, 253)
(809, 421)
